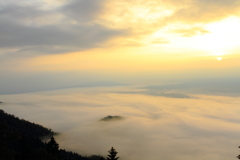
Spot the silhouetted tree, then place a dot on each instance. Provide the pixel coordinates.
(238, 155)
(112, 154)
(101, 158)
(20, 140)
(52, 146)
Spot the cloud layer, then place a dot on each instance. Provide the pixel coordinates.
(33, 28)
(154, 127)
(48, 27)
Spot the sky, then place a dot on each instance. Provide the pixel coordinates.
(56, 43)
(169, 68)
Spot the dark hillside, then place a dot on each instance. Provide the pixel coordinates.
(20, 140)
(23, 127)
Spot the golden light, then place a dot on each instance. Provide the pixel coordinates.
(219, 58)
(218, 53)
(222, 36)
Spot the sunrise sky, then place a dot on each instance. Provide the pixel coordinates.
(90, 40)
(171, 68)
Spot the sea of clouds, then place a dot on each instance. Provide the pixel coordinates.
(151, 127)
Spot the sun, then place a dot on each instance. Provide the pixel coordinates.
(219, 58)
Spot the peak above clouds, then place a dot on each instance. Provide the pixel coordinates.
(111, 118)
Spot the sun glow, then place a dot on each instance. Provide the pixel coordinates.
(218, 53)
(216, 39)
(222, 36)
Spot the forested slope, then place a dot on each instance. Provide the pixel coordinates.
(20, 140)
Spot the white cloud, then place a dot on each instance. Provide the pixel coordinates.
(154, 127)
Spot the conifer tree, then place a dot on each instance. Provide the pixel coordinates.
(52, 146)
(112, 154)
(238, 155)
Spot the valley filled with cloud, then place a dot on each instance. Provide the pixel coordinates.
(154, 127)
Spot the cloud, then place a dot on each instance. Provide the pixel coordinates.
(210, 86)
(170, 128)
(157, 92)
(160, 40)
(145, 18)
(27, 29)
(84, 11)
(52, 39)
(171, 94)
(132, 44)
(68, 26)
(189, 32)
(203, 11)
